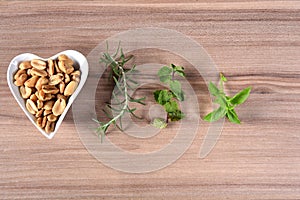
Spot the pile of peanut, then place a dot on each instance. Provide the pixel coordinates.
(46, 87)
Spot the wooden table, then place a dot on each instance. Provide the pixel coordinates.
(255, 44)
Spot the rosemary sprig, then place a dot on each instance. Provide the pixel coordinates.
(124, 84)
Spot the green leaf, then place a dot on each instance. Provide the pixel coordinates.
(221, 101)
(223, 78)
(175, 87)
(176, 116)
(159, 123)
(156, 95)
(164, 74)
(241, 97)
(179, 70)
(232, 116)
(171, 106)
(215, 115)
(162, 96)
(213, 89)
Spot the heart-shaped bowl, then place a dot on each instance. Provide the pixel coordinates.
(80, 62)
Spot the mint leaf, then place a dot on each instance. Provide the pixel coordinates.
(213, 89)
(179, 70)
(223, 78)
(156, 95)
(215, 115)
(241, 97)
(232, 116)
(159, 123)
(221, 101)
(164, 97)
(175, 87)
(171, 106)
(164, 74)
(176, 116)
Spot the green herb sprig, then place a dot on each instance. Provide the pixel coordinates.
(124, 84)
(227, 104)
(167, 98)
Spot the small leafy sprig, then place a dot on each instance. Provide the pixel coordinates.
(167, 98)
(124, 84)
(227, 104)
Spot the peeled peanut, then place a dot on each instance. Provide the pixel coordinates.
(25, 92)
(56, 67)
(77, 72)
(38, 64)
(48, 105)
(60, 96)
(68, 69)
(21, 80)
(42, 81)
(33, 97)
(49, 127)
(28, 72)
(58, 107)
(25, 65)
(63, 57)
(76, 78)
(43, 96)
(39, 113)
(52, 118)
(50, 89)
(19, 73)
(62, 87)
(39, 122)
(50, 67)
(67, 78)
(31, 107)
(44, 121)
(31, 82)
(38, 72)
(70, 89)
(47, 112)
(56, 79)
(39, 104)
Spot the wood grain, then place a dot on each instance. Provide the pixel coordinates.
(255, 44)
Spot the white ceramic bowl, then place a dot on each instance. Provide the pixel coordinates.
(80, 61)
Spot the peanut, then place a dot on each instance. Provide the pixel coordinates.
(25, 65)
(56, 79)
(67, 78)
(51, 67)
(38, 72)
(19, 73)
(39, 113)
(50, 89)
(47, 112)
(31, 107)
(59, 107)
(62, 86)
(48, 105)
(70, 88)
(52, 118)
(31, 82)
(21, 80)
(42, 81)
(38, 64)
(49, 127)
(25, 92)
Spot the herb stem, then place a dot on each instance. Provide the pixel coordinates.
(123, 76)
